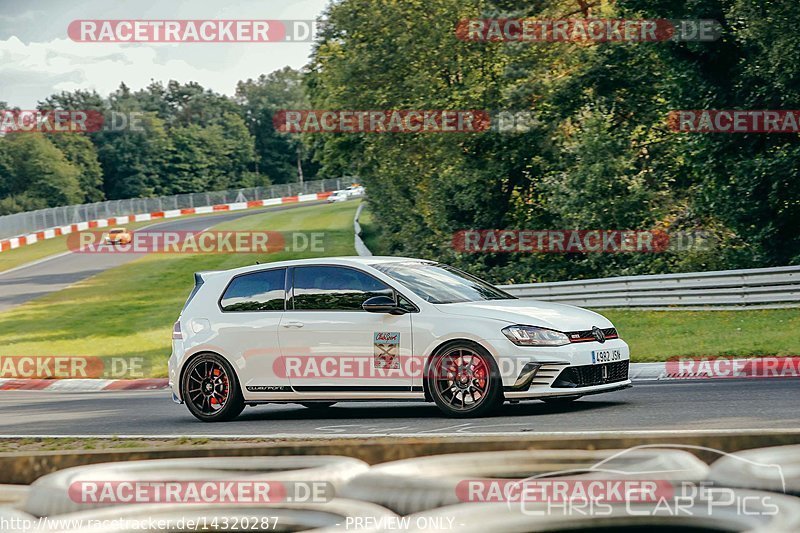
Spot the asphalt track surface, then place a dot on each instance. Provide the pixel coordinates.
(670, 407)
(54, 273)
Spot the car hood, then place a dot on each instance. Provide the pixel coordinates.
(529, 312)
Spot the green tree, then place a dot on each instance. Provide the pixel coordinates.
(81, 152)
(134, 162)
(276, 153)
(36, 174)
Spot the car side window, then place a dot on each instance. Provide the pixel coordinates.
(257, 291)
(335, 288)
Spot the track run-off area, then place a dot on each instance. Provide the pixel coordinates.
(664, 407)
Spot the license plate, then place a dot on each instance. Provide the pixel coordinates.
(605, 356)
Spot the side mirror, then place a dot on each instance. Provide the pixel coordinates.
(382, 304)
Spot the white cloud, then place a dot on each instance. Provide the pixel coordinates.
(33, 70)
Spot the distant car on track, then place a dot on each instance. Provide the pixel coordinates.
(353, 191)
(118, 236)
(318, 331)
(338, 196)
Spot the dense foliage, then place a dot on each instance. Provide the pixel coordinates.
(600, 154)
(186, 139)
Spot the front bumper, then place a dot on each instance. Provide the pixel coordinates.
(538, 372)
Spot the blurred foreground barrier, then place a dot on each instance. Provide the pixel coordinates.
(415, 485)
(776, 287)
(13, 520)
(13, 494)
(776, 469)
(25, 467)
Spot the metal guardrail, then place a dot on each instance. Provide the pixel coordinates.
(33, 221)
(776, 287)
(361, 248)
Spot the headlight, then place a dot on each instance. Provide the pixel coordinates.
(533, 336)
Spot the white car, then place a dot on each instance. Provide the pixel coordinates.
(338, 196)
(354, 191)
(319, 331)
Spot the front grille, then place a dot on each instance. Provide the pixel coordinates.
(586, 335)
(589, 375)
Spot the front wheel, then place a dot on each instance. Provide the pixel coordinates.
(463, 381)
(211, 390)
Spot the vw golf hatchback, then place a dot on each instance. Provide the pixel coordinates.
(320, 331)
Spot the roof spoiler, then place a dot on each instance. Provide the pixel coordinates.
(200, 277)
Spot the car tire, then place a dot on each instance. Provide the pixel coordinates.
(561, 400)
(317, 405)
(211, 390)
(475, 372)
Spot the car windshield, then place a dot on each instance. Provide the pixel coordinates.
(441, 284)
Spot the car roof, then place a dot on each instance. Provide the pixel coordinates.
(343, 261)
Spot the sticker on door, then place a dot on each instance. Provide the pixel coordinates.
(386, 349)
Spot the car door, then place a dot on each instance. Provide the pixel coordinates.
(251, 308)
(329, 343)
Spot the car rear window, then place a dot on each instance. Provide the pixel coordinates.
(257, 291)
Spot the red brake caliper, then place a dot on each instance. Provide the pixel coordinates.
(216, 372)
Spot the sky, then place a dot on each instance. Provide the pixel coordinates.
(37, 58)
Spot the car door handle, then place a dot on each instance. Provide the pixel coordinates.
(293, 324)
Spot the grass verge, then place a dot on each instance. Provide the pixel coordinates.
(128, 311)
(659, 335)
(58, 245)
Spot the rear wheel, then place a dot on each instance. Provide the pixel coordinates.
(211, 390)
(463, 381)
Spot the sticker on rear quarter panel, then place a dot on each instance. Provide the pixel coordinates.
(386, 349)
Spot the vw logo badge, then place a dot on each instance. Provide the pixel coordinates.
(598, 334)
